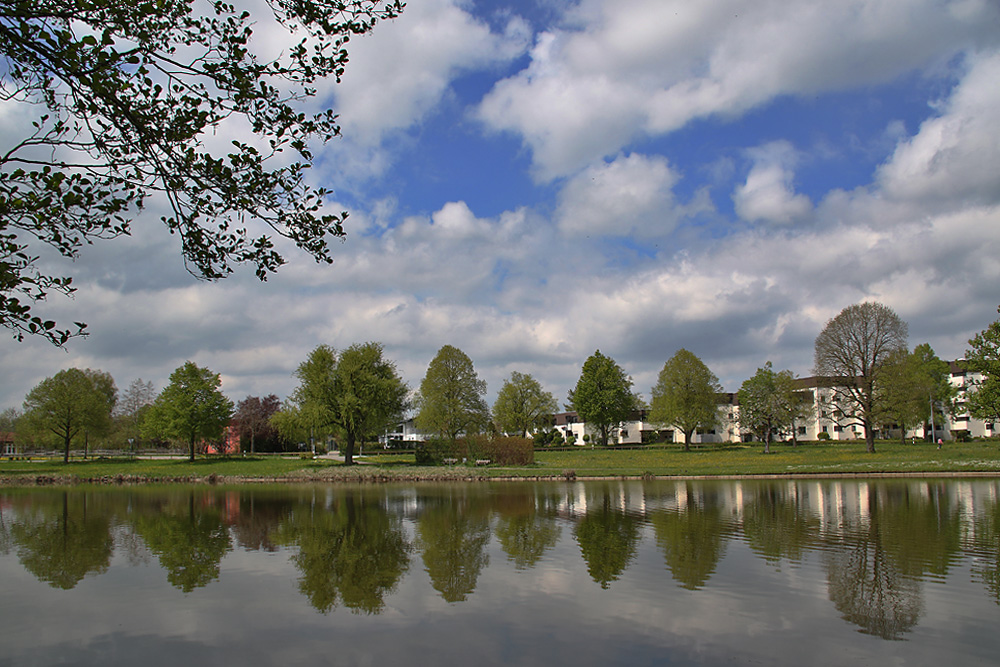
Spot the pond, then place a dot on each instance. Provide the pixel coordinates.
(819, 572)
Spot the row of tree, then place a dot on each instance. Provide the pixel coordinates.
(871, 379)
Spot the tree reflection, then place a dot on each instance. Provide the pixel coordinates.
(188, 540)
(526, 527)
(61, 542)
(352, 553)
(608, 538)
(260, 513)
(692, 537)
(776, 524)
(986, 540)
(866, 584)
(453, 535)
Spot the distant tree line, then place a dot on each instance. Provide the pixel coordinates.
(872, 381)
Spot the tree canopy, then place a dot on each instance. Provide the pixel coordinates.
(191, 407)
(450, 401)
(855, 352)
(769, 403)
(71, 402)
(686, 395)
(983, 357)
(127, 100)
(359, 394)
(916, 382)
(522, 405)
(253, 416)
(603, 395)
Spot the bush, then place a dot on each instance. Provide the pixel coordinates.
(823, 435)
(434, 452)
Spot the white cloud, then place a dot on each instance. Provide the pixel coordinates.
(400, 71)
(955, 157)
(768, 193)
(619, 70)
(630, 196)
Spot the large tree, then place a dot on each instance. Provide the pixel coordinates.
(769, 403)
(192, 407)
(522, 405)
(69, 403)
(450, 401)
(686, 395)
(359, 394)
(603, 395)
(127, 100)
(854, 352)
(917, 387)
(983, 398)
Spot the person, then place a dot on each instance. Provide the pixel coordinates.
(939, 443)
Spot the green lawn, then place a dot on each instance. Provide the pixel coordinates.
(726, 460)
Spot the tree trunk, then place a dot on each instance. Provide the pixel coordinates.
(869, 439)
(192, 449)
(687, 440)
(66, 441)
(349, 449)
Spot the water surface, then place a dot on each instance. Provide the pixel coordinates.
(822, 572)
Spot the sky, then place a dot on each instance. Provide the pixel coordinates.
(531, 181)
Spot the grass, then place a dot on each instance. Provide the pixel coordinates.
(722, 460)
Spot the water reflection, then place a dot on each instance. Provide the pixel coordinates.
(692, 534)
(871, 549)
(608, 537)
(453, 530)
(186, 532)
(350, 551)
(61, 542)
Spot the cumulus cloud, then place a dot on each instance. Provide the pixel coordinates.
(955, 156)
(616, 71)
(632, 195)
(401, 71)
(768, 194)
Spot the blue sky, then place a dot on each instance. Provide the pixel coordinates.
(531, 181)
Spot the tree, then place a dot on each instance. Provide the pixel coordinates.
(686, 395)
(134, 404)
(192, 407)
(769, 404)
(450, 401)
(915, 384)
(855, 352)
(70, 402)
(253, 415)
(522, 405)
(984, 398)
(359, 394)
(125, 96)
(603, 395)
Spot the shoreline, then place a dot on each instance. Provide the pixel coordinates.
(449, 475)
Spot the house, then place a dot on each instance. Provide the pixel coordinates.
(8, 444)
(821, 416)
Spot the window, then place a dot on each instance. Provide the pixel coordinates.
(802, 430)
(825, 428)
(837, 429)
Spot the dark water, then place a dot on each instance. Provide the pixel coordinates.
(631, 573)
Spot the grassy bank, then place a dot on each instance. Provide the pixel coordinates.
(722, 460)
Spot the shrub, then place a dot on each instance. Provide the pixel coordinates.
(434, 452)
(823, 435)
